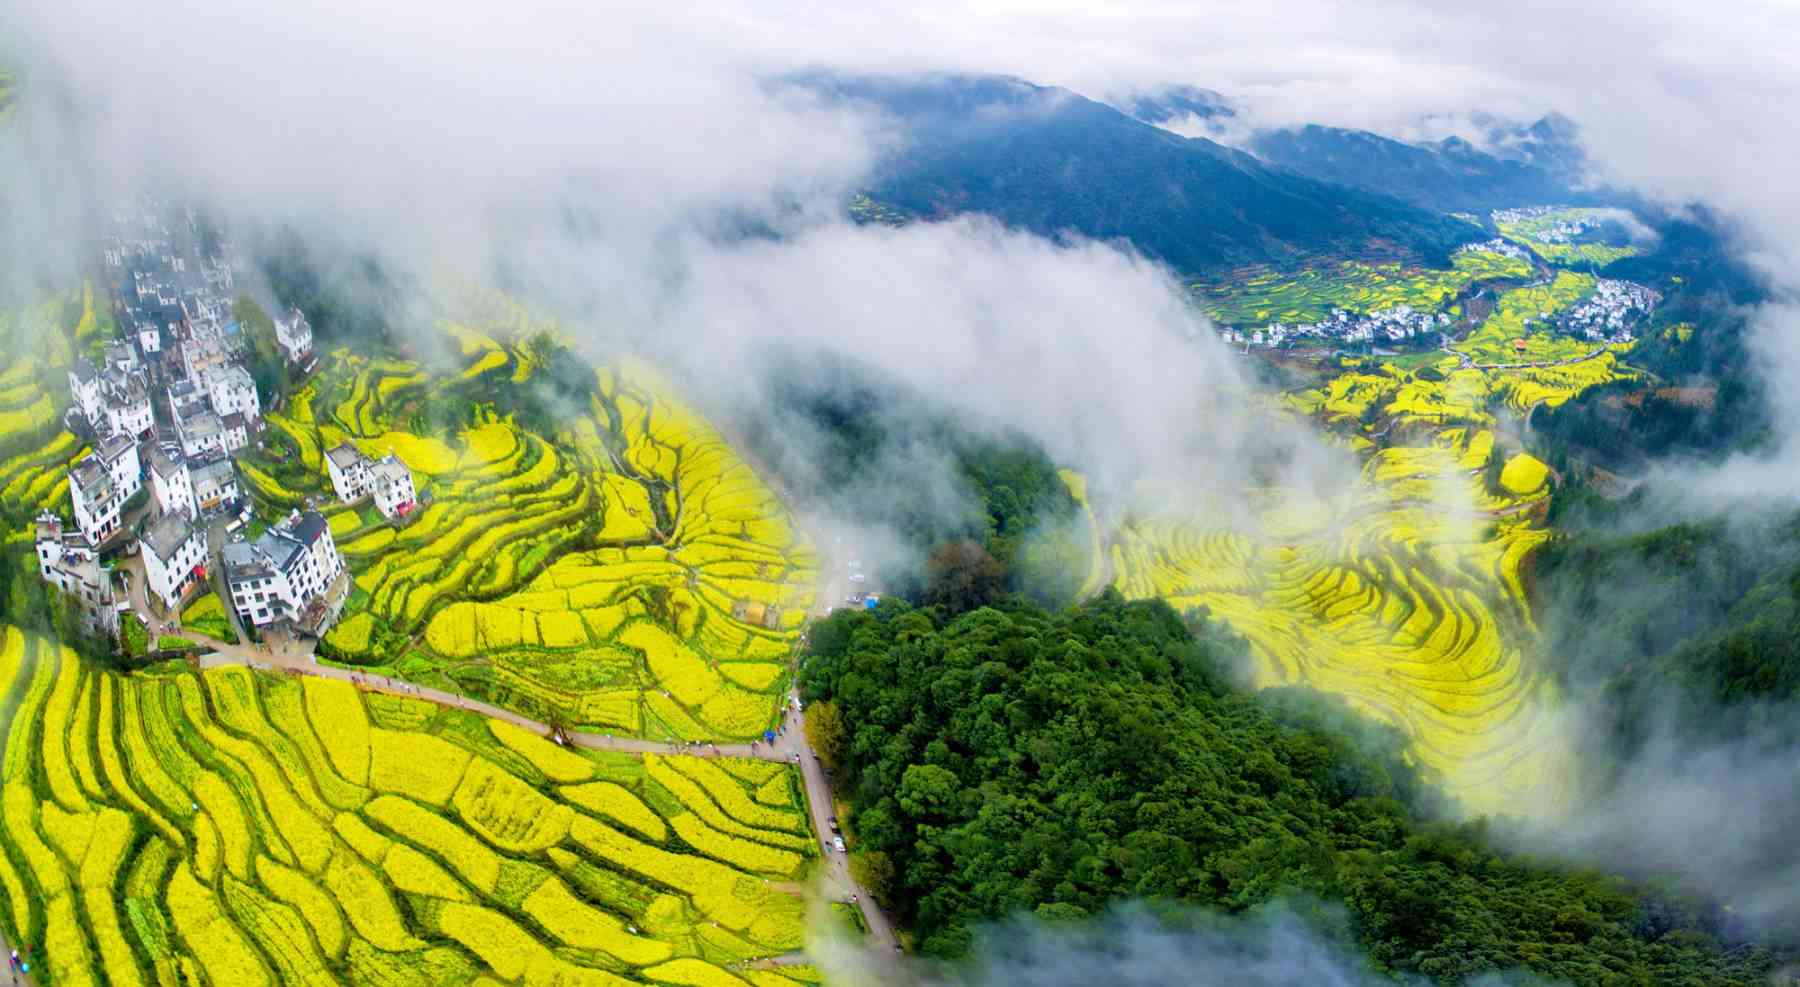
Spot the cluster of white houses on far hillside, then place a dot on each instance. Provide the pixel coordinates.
(386, 480)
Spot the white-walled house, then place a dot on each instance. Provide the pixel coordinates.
(349, 470)
(184, 399)
(233, 392)
(235, 432)
(215, 483)
(201, 433)
(85, 390)
(174, 551)
(100, 484)
(171, 484)
(202, 358)
(120, 357)
(68, 562)
(285, 574)
(127, 410)
(294, 335)
(391, 484)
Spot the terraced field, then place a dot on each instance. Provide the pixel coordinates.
(1411, 609)
(231, 827)
(1266, 295)
(1404, 592)
(1519, 330)
(37, 346)
(627, 573)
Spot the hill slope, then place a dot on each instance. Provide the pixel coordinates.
(1540, 163)
(1053, 162)
(1010, 759)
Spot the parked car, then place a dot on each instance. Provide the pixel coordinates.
(834, 825)
(837, 843)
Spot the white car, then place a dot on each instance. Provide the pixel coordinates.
(837, 843)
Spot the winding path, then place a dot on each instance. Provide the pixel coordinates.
(790, 747)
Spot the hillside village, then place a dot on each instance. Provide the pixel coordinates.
(164, 409)
(1609, 314)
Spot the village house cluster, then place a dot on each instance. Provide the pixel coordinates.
(1503, 247)
(1611, 312)
(1397, 324)
(1563, 230)
(168, 407)
(285, 573)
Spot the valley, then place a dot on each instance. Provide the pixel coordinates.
(459, 646)
(1407, 593)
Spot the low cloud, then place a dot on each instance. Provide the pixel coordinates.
(1708, 816)
(1274, 945)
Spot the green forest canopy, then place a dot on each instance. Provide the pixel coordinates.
(1013, 759)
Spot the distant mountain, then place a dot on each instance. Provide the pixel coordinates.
(1053, 162)
(1536, 164)
(1176, 105)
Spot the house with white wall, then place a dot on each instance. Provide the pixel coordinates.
(286, 574)
(349, 471)
(174, 553)
(391, 485)
(100, 483)
(171, 483)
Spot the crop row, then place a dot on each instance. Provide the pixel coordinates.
(241, 828)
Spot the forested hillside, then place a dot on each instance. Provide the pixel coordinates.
(1447, 175)
(1015, 758)
(1053, 162)
(1695, 626)
(856, 443)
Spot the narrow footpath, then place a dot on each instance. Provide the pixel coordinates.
(287, 655)
(789, 747)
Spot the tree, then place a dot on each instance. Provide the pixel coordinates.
(1493, 468)
(963, 576)
(873, 870)
(268, 368)
(1012, 759)
(825, 732)
(928, 791)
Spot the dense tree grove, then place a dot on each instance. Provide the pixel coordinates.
(1694, 626)
(1013, 759)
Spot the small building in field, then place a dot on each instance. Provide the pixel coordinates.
(391, 484)
(295, 337)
